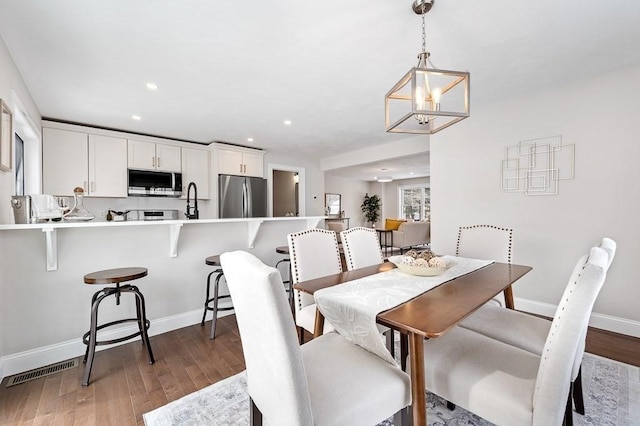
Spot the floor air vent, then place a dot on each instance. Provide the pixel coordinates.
(43, 371)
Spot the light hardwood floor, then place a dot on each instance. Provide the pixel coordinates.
(124, 385)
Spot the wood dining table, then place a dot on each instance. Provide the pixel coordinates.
(431, 314)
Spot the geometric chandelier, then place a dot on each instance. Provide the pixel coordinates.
(426, 100)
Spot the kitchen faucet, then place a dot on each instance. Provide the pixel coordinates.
(192, 212)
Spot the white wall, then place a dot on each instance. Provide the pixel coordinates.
(15, 94)
(551, 232)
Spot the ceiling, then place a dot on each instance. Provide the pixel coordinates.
(228, 70)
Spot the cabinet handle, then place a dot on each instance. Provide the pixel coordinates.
(85, 187)
(93, 186)
(153, 161)
(158, 161)
(240, 168)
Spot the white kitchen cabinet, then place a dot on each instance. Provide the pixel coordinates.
(240, 162)
(107, 166)
(96, 163)
(195, 168)
(64, 161)
(154, 156)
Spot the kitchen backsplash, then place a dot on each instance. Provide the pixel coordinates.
(100, 206)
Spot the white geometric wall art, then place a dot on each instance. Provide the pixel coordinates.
(536, 166)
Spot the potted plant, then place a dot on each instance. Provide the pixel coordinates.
(371, 208)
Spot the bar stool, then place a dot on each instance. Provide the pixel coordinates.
(285, 250)
(114, 276)
(214, 261)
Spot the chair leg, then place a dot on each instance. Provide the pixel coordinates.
(143, 324)
(568, 412)
(91, 347)
(214, 321)
(576, 390)
(390, 341)
(401, 418)
(300, 335)
(255, 414)
(404, 351)
(206, 299)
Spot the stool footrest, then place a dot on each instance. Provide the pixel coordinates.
(85, 337)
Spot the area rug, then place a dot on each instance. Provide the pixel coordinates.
(611, 395)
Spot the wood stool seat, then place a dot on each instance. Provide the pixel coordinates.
(282, 250)
(213, 260)
(118, 275)
(211, 303)
(115, 276)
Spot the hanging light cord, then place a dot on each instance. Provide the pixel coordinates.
(424, 55)
(424, 32)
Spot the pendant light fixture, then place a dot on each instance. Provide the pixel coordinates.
(426, 100)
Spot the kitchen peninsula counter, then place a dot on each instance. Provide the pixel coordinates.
(174, 227)
(44, 313)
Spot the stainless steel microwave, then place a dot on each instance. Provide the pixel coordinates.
(148, 183)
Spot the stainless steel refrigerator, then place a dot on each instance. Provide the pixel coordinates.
(241, 196)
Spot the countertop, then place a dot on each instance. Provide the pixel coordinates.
(99, 223)
(50, 230)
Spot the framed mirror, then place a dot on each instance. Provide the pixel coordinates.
(332, 204)
(6, 137)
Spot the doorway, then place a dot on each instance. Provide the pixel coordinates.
(286, 190)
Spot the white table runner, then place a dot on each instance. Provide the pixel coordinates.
(352, 307)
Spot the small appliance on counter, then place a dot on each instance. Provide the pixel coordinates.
(22, 212)
(143, 215)
(44, 207)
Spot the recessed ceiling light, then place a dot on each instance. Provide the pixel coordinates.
(287, 122)
(249, 139)
(136, 117)
(384, 179)
(152, 86)
(411, 173)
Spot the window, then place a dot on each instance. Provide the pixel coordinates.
(414, 202)
(19, 165)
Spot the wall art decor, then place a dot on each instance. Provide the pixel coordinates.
(536, 166)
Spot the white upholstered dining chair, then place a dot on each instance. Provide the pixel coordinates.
(314, 253)
(327, 381)
(486, 242)
(507, 385)
(529, 332)
(361, 247)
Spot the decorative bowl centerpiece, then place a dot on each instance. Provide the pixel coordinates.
(425, 264)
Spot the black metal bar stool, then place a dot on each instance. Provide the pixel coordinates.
(114, 276)
(288, 282)
(214, 261)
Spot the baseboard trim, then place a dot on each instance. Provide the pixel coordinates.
(38, 357)
(602, 321)
(45, 355)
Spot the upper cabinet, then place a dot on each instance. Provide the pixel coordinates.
(195, 168)
(240, 162)
(96, 163)
(154, 156)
